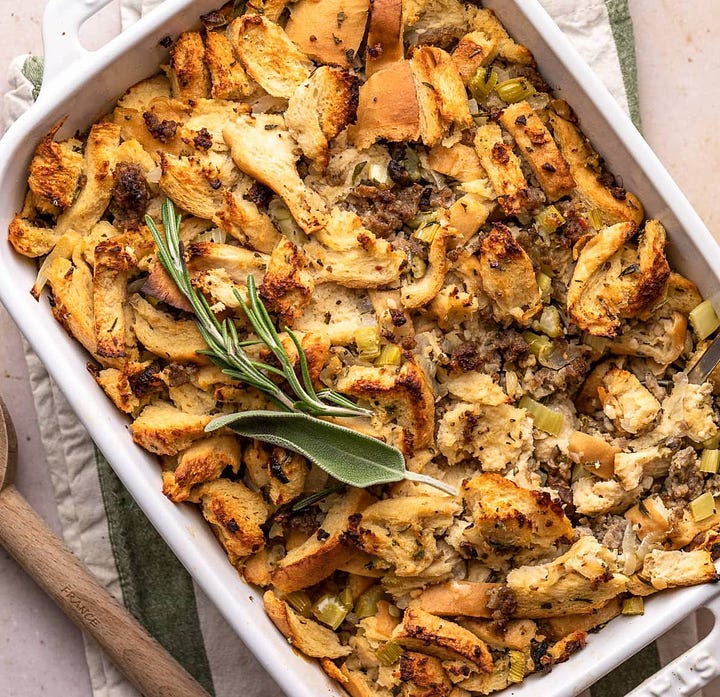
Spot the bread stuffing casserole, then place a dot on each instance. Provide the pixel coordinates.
(452, 254)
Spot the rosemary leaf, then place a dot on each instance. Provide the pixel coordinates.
(349, 456)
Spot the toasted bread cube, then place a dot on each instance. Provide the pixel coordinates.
(423, 675)
(475, 50)
(26, 236)
(421, 631)
(235, 514)
(305, 635)
(402, 531)
(163, 429)
(508, 276)
(454, 598)
(189, 75)
(507, 516)
(669, 569)
(576, 582)
(191, 185)
(441, 94)
(55, 173)
(614, 207)
(502, 167)
(486, 21)
(229, 79)
(159, 332)
(459, 161)
(627, 402)
(93, 199)
(320, 555)
(263, 148)
(403, 394)
(243, 220)
(204, 461)
(319, 109)
(596, 454)
(288, 285)
(539, 150)
(268, 55)
(112, 264)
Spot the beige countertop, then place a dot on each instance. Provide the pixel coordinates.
(678, 65)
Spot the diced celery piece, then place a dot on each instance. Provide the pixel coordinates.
(702, 507)
(634, 605)
(709, 461)
(544, 418)
(391, 354)
(704, 319)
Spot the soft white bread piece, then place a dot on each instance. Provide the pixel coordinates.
(387, 107)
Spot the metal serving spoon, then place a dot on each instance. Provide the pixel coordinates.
(710, 359)
(65, 579)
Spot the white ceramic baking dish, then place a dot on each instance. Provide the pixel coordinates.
(81, 85)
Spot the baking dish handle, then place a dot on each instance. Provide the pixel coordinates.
(61, 33)
(692, 671)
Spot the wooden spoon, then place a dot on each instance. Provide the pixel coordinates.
(148, 666)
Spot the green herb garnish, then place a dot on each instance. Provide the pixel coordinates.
(349, 456)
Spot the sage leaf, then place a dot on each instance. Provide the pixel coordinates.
(349, 456)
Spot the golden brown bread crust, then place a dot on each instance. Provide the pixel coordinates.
(229, 79)
(502, 167)
(508, 276)
(475, 50)
(384, 43)
(55, 172)
(613, 203)
(110, 273)
(539, 150)
(268, 55)
(189, 75)
(420, 630)
(509, 517)
(235, 514)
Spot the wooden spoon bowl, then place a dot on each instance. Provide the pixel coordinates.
(147, 665)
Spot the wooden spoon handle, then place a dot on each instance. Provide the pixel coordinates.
(50, 563)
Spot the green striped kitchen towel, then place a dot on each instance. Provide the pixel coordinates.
(106, 529)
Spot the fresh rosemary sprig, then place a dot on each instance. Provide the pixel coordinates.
(225, 348)
(349, 456)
